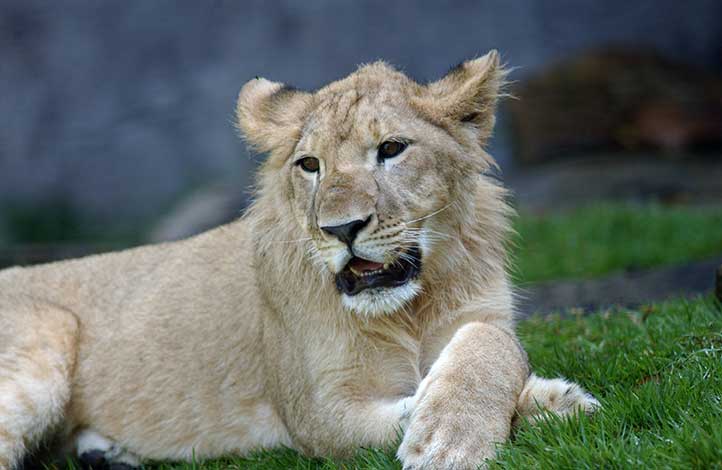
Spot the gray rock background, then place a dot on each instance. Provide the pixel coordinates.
(118, 108)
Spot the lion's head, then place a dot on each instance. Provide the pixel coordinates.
(369, 164)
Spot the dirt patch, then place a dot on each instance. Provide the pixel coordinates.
(629, 289)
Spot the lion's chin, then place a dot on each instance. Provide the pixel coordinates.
(383, 300)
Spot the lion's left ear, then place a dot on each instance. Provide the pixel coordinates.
(468, 94)
(270, 114)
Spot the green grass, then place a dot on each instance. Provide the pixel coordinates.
(658, 373)
(656, 370)
(597, 240)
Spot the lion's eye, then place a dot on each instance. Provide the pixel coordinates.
(309, 164)
(390, 149)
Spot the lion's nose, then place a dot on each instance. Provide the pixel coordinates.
(347, 232)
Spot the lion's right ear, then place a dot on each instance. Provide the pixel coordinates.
(270, 114)
(468, 94)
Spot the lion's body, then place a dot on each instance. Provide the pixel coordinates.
(179, 354)
(169, 349)
(237, 339)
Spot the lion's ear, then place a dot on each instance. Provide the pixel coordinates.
(270, 114)
(469, 93)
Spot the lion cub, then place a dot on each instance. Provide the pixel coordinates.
(363, 292)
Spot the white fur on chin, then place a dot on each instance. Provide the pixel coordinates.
(382, 301)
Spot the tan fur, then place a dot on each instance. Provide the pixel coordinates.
(238, 338)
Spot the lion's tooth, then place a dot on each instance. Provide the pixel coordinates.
(386, 266)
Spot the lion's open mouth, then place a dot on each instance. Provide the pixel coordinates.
(360, 274)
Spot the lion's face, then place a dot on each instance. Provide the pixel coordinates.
(368, 165)
(364, 176)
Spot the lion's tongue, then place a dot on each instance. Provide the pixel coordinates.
(360, 265)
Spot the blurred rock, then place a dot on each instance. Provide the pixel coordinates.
(638, 177)
(628, 289)
(203, 209)
(616, 99)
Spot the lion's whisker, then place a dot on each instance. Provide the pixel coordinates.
(424, 230)
(431, 214)
(410, 259)
(293, 241)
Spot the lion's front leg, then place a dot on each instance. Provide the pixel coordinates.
(337, 425)
(466, 403)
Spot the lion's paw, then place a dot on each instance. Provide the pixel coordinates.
(441, 434)
(558, 396)
(436, 444)
(99, 453)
